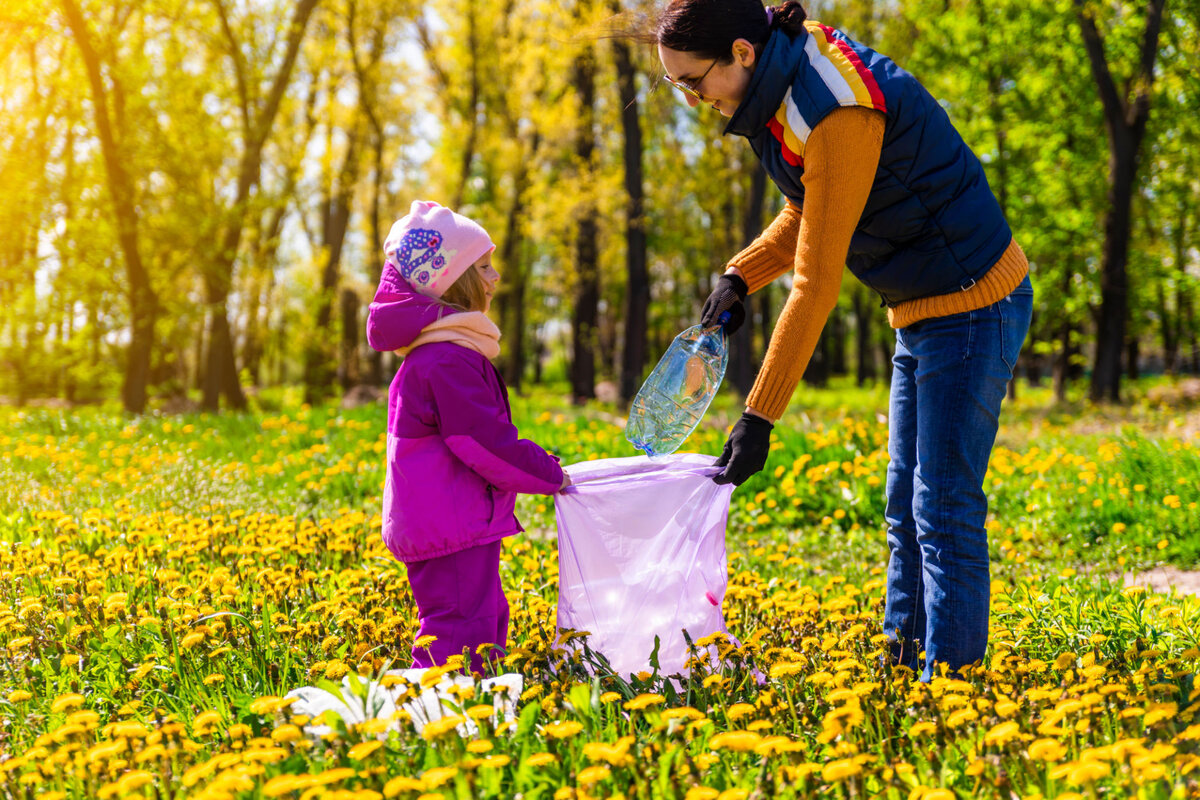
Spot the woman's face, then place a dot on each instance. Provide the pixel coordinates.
(722, 86)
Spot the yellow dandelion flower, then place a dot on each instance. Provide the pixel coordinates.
(643, 701)
(133, 781)
(191, 640)
(128, 729)
(737, 741)
(440, 727)
(1001, 734)
(1087, 772)
(403, 783)
(922, 729)
(777, 745)
(961, 717)
(616, 754)
(335, 775)
(683, 712)
(734, 794)
(481, 712)
(592, 775)
(286, 784)
(363, 749)
(739, 710)
(610, 697)
(541, 760)
(286, 733)
(701, 793)
(562, 729)
(267, 704)
(206, 719)
(786, 669)
(841, 769)
(66, 702)
(1158, 712)
(100, 753)
(1047, 750)
(19, 696)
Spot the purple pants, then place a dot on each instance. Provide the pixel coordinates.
(460, 601)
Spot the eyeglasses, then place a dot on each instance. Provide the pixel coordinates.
(692, 88)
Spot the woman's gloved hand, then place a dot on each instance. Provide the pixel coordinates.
(746, 449)
(730, 295)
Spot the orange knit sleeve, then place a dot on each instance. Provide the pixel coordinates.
(772, 253)
(840, 160)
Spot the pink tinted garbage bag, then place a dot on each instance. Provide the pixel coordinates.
(642, 554)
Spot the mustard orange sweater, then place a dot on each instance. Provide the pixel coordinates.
(839, 167)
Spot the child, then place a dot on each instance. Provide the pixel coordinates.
(455, 463)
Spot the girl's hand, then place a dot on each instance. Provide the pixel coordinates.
(566, 481)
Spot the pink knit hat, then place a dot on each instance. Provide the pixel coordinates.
(433, 246)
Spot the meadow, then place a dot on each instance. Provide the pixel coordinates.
(166, 580)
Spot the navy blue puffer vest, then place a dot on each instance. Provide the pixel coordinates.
(931, 225)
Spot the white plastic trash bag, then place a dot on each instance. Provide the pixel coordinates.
(359, 700)
(642, 554)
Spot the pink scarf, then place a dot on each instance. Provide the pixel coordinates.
(471, 329)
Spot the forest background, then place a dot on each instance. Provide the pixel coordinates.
(195, 192)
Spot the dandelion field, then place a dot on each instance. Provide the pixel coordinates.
(166, 580)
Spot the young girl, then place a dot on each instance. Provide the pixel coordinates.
(455, 463)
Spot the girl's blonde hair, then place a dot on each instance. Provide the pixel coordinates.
(468, 293)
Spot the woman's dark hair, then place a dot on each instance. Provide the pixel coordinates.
(708, 28)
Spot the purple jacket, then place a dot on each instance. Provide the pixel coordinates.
(455, 462)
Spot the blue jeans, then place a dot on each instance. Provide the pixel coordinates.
(951, 374)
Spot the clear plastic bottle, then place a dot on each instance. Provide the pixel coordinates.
(673, 399)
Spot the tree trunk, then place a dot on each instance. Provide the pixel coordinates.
(348, 372)
(637, 277)
(1125, 122)
(368, 87)
(515, 287)
(864, 353)
(143, 302)
(335, 220)
(221, 375)
(837, 342)
(741, 354)
(886, 351)
(1034, 363)
(587, 290)
(1062, 364)
(471, 114)
(1131, 357)
(817, 372)
(374, 371)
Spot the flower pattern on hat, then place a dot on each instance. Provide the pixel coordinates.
(417, 256)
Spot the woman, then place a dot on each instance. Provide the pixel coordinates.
(876, 178)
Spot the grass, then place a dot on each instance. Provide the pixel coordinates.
(165, 580)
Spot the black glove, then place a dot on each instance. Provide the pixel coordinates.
(745, 451)
(730, 295)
